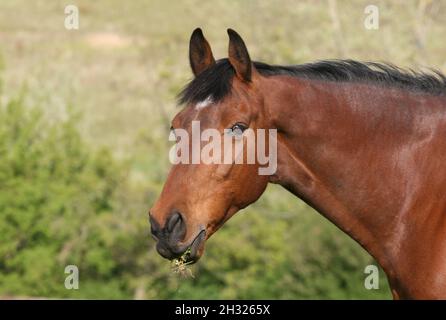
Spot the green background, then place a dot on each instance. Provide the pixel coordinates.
(84, 121)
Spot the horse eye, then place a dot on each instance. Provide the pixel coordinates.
(238, 128)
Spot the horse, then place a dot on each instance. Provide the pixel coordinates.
(363, 143)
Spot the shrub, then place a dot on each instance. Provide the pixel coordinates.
(55, 192)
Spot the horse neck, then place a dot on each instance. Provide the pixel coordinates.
(339, 149)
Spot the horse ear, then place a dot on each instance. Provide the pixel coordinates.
(239, 56)
(200, 53)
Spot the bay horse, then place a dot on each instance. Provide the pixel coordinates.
(362, 143)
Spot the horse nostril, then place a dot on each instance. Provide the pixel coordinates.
(174, 219)
(176, 227)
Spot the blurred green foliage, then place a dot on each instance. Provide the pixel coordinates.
(84, 150)
(50, 184)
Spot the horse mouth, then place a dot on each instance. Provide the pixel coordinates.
(196, 245)
(190, 255)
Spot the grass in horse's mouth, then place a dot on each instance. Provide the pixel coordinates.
(180, 265)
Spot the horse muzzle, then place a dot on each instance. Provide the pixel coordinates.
(170, 244)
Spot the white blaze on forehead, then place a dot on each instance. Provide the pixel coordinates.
(204, 103)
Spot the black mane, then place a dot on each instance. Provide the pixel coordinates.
(215, 82)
